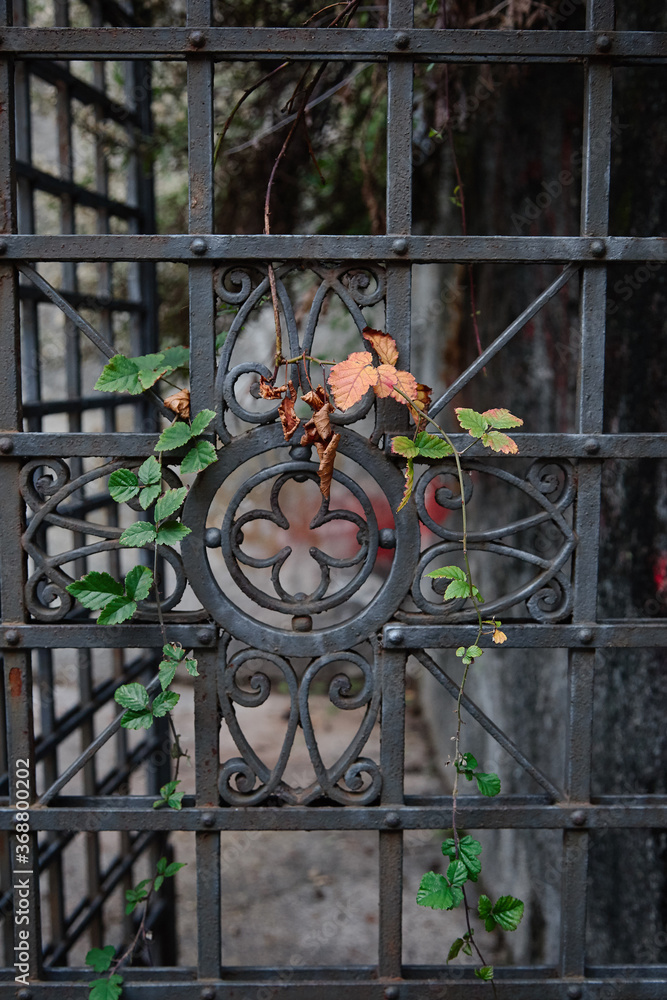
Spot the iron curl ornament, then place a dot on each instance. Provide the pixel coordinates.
(247, 780)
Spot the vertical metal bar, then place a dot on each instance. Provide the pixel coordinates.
(207, 737)
(201, 206)
(590, 403)
(392, 667)
(398, 310)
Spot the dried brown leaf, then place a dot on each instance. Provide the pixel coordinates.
(268, 391)
(316, 398)
(327, 455)
(179, 402)
(288, 417)
(422, 403)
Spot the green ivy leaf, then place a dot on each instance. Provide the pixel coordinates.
(120, 374)
(432, 446)
(173, 651)
(106, 989)
(200, 422)
(455, 948)
(500, 442)
(435, 891)
(198, 458)
(138, 534)
(471, 421)
(449, 573)
(133, 696)
(171, 532)
(100, 958)
(469, 848)
(508, 912)
(123, 485)
(404, 446)
(150, 473)
(138, 583)
(95, 590)
(118, 610)
(159, 879)
(174, 436)
(484, 907)
(149, 494)
(177, 357)
(486, 973)
(474, 651)
(174, 867)
(135, 896)
(137, 719)
(164, 703)
(457, 589)
(501, 419)
(191, 667)
(169, 503)
(469, 760)
(151, 369)
(175, 801)
(488, 784)
(457, 873)
(166, 673)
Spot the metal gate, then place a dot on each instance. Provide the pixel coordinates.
(53, 499)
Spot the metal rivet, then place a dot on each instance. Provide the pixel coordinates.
(387, 538)
(391, 993)
(400, 246)
(212, 538)
(585, 635)
(24, 995)
(199, 246)
(207, 819)
(208, 993)
(401, 40)
(575, 992)
(302, 623)
(3, 246)
(393, 636)
(392, 819)
(598, 249)
(6, 446)
(591, 446)
(603, 43)
(579, 817)
(12, 637)
(197, 39)
(300, 453)
(205, 636)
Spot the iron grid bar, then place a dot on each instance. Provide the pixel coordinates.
(129, 445)
(360, 249)
(367, 44)
(511, 812)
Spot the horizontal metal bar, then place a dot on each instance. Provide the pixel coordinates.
(124, 444)
(94, 636)
(630, 633)
(374, 44)
(415, 249)
(354, 983)
(474, 813)
(39, 408)
(44, 181)
(28, 292)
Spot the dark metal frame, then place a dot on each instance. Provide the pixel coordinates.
(575, 627)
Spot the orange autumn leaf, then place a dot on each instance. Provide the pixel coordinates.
(387, 379)
(384, 345)
(499, 636)
(351, 379)
(179, 402)
(407, 384)
(327, 455)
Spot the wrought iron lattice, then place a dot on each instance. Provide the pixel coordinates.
(53, 481)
